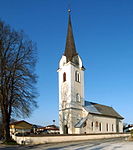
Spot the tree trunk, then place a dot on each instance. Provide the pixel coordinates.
(6, 127)
(7, 132)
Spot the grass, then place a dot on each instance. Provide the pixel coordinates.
(130, 138)
(11, 142)
(131, 133)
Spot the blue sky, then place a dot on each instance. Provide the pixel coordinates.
(103, 31)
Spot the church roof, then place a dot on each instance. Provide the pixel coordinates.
(80, 123)
(94, 108)
(70, 49)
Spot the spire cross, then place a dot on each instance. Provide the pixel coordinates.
(69, 10)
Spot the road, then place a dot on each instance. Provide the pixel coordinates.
(107, 144)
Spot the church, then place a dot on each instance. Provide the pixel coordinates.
(77, 116)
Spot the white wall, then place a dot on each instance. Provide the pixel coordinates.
(56, 139)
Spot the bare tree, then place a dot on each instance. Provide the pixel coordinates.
(17, 77)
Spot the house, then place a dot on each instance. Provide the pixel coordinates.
(76, 115)
(20, 127)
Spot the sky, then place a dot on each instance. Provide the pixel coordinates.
(103, 32)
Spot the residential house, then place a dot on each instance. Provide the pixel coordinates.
(20, 127)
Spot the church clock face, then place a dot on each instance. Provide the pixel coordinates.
(64, 92)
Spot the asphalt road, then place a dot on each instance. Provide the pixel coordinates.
(107, 144)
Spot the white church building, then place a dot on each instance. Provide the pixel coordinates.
(77, 116)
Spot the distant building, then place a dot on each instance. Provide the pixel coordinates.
(77, 116)
(128, 128)
(20, 127)
(50, 129)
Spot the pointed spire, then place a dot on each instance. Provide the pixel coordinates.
(70, 49)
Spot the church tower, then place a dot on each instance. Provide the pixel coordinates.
(71, 85)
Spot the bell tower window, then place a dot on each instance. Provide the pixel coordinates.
(77, 76)
(64, 77)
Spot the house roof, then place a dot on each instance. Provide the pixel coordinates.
(94, 108)
(52, 126)
(18, 122)
(70, 49)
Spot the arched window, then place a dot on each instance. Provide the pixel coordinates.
(77, 97)
(64, 77)
(92, 125)
(112, 127)
(107, 127)
(77, 76)
(100, 126)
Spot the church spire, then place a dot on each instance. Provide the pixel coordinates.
(70, 49)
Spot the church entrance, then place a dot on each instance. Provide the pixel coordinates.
(65, 129)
